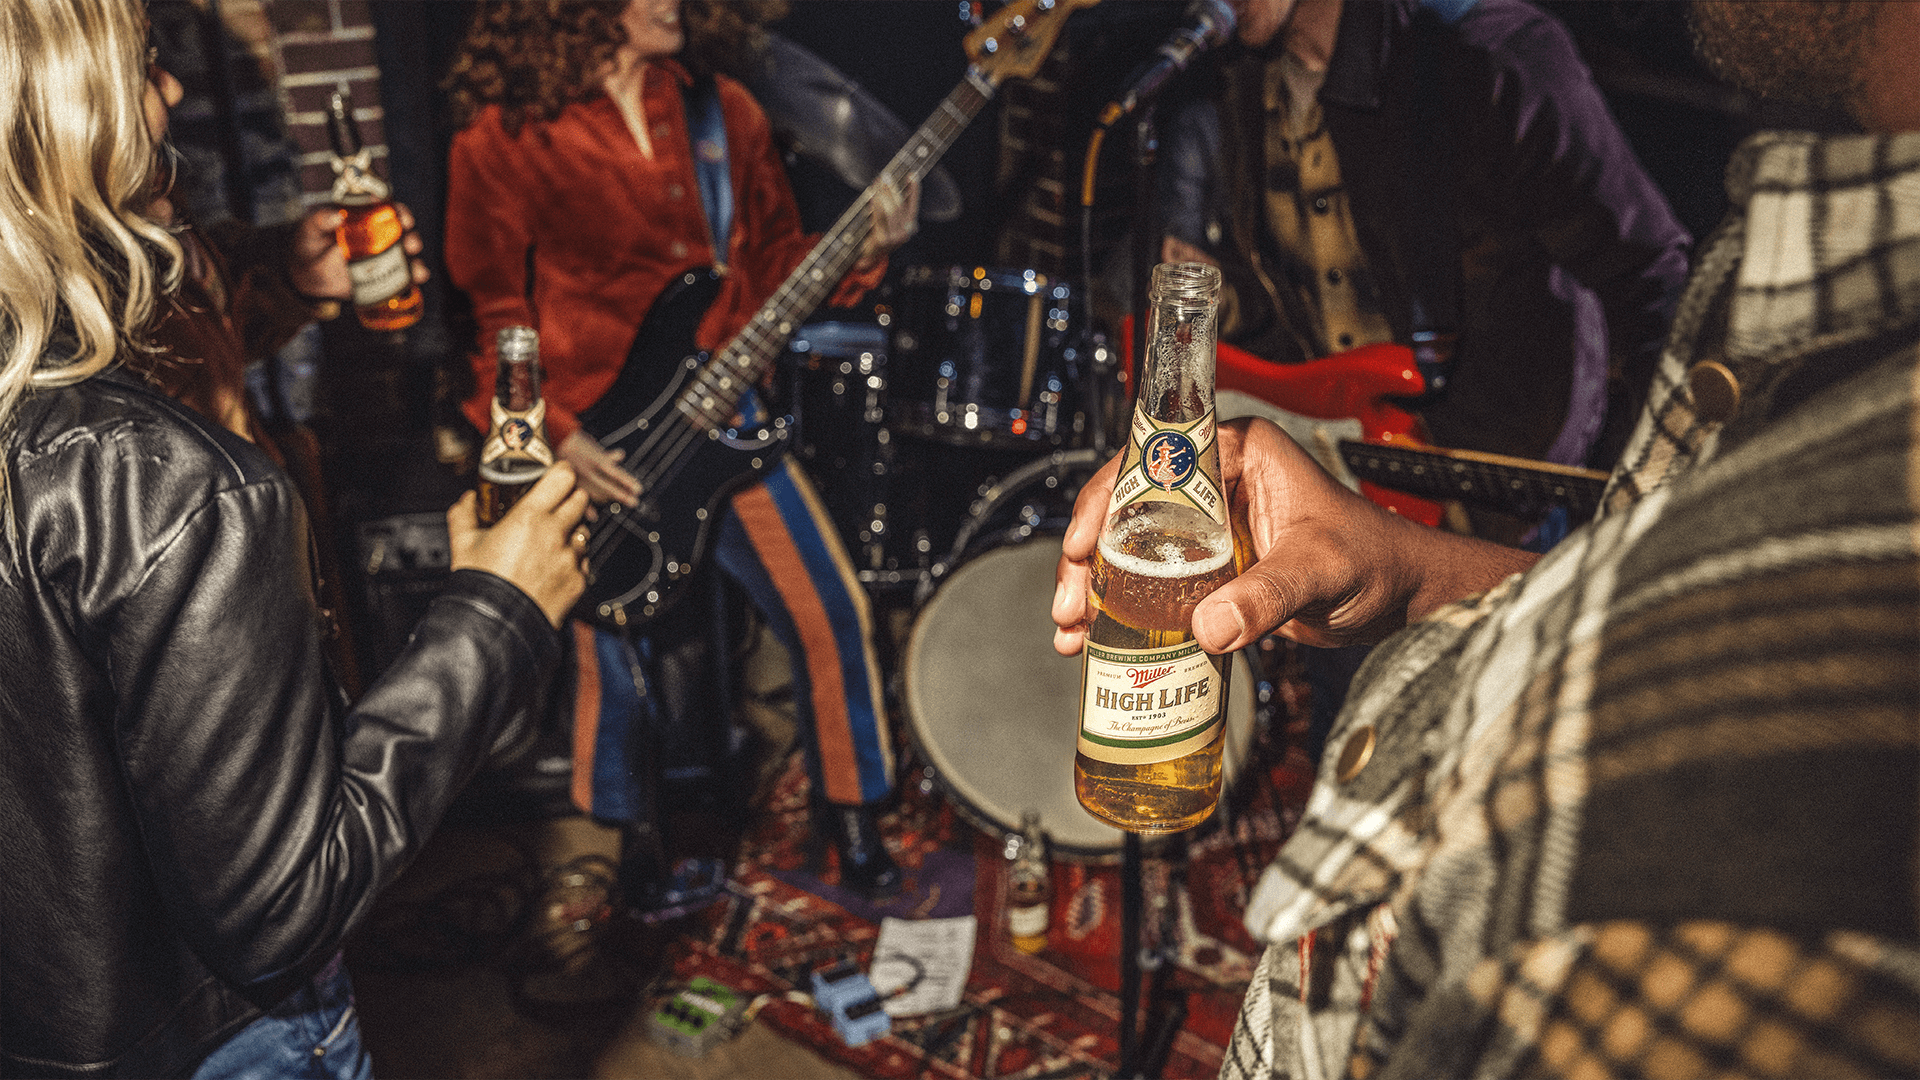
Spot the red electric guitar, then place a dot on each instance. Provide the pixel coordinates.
(1365, 387)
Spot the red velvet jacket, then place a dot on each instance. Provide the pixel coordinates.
(604, 229)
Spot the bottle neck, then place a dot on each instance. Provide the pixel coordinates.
(1176, 383)
(354, 182)
(517, 385)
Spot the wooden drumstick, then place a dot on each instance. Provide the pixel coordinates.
(1032, 355)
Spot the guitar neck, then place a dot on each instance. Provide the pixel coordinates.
(712, 396)
(1516, 485)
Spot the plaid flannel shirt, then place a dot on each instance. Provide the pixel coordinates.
(1652, 807)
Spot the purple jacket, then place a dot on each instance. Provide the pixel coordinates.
(1568, 258)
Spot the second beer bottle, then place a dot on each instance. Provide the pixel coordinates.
(516, 453)
(1153, 704)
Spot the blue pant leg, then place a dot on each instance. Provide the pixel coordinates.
(778, 543)
(313, 1035)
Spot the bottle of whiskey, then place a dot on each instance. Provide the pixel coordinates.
(1029, 885)
(1153, 704)
(384, 294)
(516, 453)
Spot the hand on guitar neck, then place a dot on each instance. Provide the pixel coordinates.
(1333, 568)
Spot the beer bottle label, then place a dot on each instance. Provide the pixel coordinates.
(1141, 706)
(517, 435)
(379, 276)
(1171, 462)
(1029, 921)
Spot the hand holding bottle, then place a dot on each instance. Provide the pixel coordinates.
(317, 264)
(1333, 568)
(537, 546)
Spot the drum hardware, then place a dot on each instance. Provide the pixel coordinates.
(988, 356)
(836, 379)
(1050, 472)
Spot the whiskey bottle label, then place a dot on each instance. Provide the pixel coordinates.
(1171, 462)
(1141, 706)
(380, 276)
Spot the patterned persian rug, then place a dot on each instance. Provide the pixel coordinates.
(1052, 1014)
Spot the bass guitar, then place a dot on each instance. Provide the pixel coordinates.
(672, 410)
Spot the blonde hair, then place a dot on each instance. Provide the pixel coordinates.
(80, 265)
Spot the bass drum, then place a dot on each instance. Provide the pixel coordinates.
(993, 710)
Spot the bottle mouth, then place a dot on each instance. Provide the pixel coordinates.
(1194, 282)
(516, 344)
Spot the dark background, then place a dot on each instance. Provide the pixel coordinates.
(385, 405)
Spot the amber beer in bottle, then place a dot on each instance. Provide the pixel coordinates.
(516, 453)
(384, 294)
(1153, 704)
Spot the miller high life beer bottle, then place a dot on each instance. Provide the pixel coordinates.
(516, 453)
(1029, 885)
(384, 295)
(1153, 704)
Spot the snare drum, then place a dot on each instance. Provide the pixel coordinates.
(984, 357)
(994, 710)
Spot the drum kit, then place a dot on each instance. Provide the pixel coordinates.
(949, 437)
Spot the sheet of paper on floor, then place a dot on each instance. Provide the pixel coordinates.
(940, 951)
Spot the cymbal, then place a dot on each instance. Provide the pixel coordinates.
(823, 115)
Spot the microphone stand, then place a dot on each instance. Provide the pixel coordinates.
(1133, 1063)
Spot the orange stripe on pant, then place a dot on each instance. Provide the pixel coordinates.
(833, 731)
(586, 714)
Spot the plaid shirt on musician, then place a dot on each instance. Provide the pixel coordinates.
(1653, 808)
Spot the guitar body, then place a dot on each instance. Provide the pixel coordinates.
(642, 556)
(1367, 384)
(670, 411)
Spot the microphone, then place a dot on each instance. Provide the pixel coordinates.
(1208, 23)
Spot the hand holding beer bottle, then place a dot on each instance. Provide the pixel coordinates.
(516, 453)
(1153, 707)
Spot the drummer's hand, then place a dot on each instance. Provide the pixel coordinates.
(896, 217)
(598, 469)
(1333, 568)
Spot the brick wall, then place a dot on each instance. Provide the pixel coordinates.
(315, 45)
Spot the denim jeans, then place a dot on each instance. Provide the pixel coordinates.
(313, 1035)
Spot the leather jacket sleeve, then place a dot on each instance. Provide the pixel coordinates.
(270, 814)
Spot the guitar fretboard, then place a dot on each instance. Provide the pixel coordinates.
(713, 393)
(1510, 484)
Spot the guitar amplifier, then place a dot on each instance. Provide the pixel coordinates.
(405, 561)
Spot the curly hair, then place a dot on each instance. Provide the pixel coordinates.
(533, 58)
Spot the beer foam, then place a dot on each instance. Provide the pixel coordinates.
(1169, 555)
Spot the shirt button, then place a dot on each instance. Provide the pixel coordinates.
(679, 249)
(1320, 205)
(1333, 277)
(1346, 341)
(675, 191)
(1716, 391)
(659, 131)
(1355, 754)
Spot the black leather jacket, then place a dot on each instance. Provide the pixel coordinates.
(192, 819)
